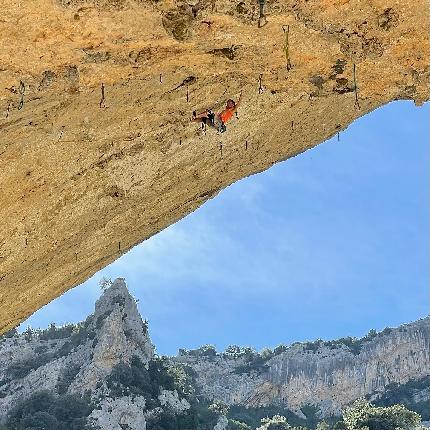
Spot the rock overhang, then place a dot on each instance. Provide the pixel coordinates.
(97, 152)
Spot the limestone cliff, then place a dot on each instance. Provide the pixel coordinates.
(97, 152)
(77, 359)
(328, 375)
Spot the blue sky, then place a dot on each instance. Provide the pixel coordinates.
(331, 243)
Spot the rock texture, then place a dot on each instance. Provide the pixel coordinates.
(327, 376)
(118, 414)
(97, 152)
(81, 360)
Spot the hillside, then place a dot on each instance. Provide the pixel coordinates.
(104, 372)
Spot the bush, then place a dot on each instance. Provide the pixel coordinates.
(218, 407)
(363, 415)
(253, 416)
(80, 335)
(40, 421)
(256, 363)
(183, 378)
(204, 351)
(280, 349)
(277, 422)
(404, 394)
(353, 344)
(234, 351)
(28, 334)
(197, 417)
(67, 378)
(54, 332)
(22, 368)
(105, 283)
(45, 411)
(137, 380)
(237, 425)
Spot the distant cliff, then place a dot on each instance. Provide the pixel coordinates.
(328, 375)
(105, 370)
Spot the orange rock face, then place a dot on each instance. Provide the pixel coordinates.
(97, 151)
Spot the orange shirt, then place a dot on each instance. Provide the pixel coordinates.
(226, 115)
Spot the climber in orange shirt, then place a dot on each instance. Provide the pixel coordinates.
(218, 121)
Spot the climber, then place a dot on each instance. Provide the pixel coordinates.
(218, 121)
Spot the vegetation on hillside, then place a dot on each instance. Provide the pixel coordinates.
(405, 394)
(255, 361)
(46, 411)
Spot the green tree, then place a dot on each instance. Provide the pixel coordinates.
(340, 425)
(280, 349)
(182, 380)
(363, 415)
(277, 422)
(105, 283)
(219, 407)
(266, 354)
(45, 411)
(236, 425)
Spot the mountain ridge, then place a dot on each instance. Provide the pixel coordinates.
(110, 360)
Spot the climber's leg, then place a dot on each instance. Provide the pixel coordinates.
(206, 117)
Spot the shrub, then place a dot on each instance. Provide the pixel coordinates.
(67, 378)
(237, 425)
(280, 349)
(120, 300)
(53, 332)
(41, 349)
(22, 368)
(81, 334)
(28, 334)
(197, 417)
(105, 283)
(256, 363)
(253, 416)
(40, 420)
(235, 351)
(277, 422)
(404, 394)
(363, 415)
(183, 379)
(218, 407)
(204, 351)
(137, 380)
(101, 318)
(44, 411)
